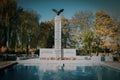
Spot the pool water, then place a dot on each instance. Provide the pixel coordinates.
(59, 72)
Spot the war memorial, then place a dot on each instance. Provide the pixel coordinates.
(57, 52)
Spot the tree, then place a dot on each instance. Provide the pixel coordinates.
(96, 44)
(83, 20)
(7, 11)
(80, 22)
(18, 27)
(65, 32)
(104, 29)
(28, 29)
(116, 36)
(46, 34)
(87, 39)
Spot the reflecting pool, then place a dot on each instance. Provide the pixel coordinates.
(59, 72)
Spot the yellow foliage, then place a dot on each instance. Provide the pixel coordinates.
(93, 43)
(3, 49)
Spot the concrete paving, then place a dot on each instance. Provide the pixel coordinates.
(115, 65)
(6, 64)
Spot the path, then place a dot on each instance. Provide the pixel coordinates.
(6, 64)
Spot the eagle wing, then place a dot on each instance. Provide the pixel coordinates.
(61, 10)
(58, 12)
(54, 10)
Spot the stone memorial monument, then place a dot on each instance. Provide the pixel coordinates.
(57, 34)
(57, 52)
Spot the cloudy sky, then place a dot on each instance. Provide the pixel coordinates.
(44, 7)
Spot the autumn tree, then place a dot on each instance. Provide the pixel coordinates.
(104, 29)
(116, 36)
(28, 28)
(7, 12)
(80, 22)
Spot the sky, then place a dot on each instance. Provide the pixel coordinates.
(44, 7)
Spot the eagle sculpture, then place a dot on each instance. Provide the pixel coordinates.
(58, 12)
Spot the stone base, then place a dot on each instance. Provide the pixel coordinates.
(69, 52)
(57, 54)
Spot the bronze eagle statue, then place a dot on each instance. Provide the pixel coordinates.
(58, 12)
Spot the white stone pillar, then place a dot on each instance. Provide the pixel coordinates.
(57, 38)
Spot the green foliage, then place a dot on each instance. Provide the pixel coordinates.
(87, 39)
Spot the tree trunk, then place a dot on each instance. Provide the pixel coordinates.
(97, 53)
